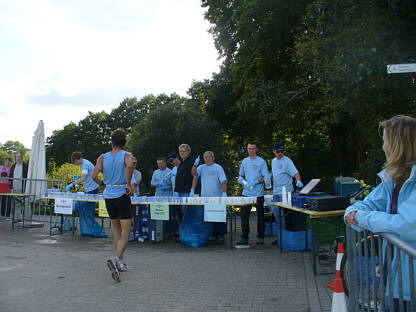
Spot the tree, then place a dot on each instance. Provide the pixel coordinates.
(11, 147)
(346, 47)
(165, 128)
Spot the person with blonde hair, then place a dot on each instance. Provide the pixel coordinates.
(391, 206)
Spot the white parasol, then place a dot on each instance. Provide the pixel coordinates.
(37, 164)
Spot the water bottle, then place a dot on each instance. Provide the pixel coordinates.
(268, 183)
(284, 195)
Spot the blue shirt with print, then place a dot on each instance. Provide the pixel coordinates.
(162, 177)
(253, 170)
(283, 171)
(212, 178)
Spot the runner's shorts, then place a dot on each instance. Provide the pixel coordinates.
(119, 208)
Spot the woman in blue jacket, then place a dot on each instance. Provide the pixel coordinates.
(391, 207)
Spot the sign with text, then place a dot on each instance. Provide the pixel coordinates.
(63, 206)
(401, 68)
(159, 211)
(215, 213)
(102, 209)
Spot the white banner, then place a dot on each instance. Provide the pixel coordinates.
(63, 206)
(215, 213)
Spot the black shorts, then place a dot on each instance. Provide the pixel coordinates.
(119, 208)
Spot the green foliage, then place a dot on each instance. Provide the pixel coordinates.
(64, 172)
(11, 147)
(165, 128)
(3, 155)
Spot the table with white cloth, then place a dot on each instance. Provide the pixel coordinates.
(230, 202)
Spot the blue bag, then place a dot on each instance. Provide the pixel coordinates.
(193, 231)
(87, 224)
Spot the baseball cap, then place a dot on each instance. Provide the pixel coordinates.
(278, 146)
(172, 156)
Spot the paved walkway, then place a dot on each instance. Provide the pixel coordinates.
(65, 273)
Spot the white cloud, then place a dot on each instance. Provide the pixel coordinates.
(67, 57)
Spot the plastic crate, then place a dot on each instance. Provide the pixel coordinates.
(267, 228)
(156, 230)
(275, 228)
(345, 186)
(295, 240)
(4, 188)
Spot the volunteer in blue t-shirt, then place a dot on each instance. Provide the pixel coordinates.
(177, 210)
(283, 171)
(86, 171)
(213, 184)
(161, 178)
(252, 173)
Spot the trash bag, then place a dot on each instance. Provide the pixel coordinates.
(87, 224)
(193, 231)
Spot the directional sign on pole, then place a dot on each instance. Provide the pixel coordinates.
(401, 68)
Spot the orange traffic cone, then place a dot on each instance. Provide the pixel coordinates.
(339, 303)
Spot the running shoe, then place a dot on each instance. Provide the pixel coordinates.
(123, 267)
(112, 265)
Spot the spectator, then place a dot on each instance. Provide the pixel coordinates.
(161, 178)
(177, 210)
(117, 166)
(137, 177)
(390, 207)
(213, 184)
(18, 172)
(252, 173)
(6, 200)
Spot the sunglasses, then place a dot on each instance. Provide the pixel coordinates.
(280, 152)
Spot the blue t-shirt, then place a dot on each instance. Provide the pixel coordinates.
(87, 168)
(254, 170)
(162, 177)
(174, 170)
(114, 174)
(212, 178)
(283, 171)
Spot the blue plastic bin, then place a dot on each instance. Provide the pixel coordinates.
(295, 240)
(345, 186)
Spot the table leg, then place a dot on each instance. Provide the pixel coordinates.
(50, 220)
(13, 211)
(306, 233)
(24, 212)
(280, 228)
(230, 213)
(313, 246)
(73, 224)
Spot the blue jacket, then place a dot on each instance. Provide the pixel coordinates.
(373, 214)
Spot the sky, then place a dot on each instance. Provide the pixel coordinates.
(61, 59)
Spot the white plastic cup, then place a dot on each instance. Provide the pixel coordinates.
(284, 195)
(268, 183)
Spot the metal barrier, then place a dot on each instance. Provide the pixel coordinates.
(39, 208)
(378, 272)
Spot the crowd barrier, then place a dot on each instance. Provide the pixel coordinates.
(378, 270)
(28, 206)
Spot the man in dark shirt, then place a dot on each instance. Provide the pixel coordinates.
(184, 177)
